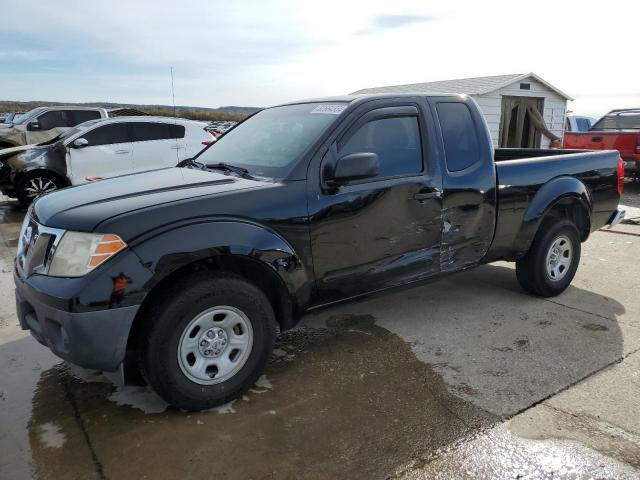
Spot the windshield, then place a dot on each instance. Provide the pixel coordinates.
(27, 117)
(620, 121)
(269, 143)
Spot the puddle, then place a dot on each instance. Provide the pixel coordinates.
(142, 398)
(50, 435)
(499, 453)
(352, 404)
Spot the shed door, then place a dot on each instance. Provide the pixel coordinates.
(522, 123)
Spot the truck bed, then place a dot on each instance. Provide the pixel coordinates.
(503, 154)
(523, 173)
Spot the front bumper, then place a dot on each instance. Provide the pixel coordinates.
(96, 339)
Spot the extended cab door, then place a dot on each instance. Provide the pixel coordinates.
(107, 153)
(46, 126)
(469, 183)
(375, 233)
(157, 145)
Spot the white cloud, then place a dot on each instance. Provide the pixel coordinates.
(265, 52)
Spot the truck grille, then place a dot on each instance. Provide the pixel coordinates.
(36, 245)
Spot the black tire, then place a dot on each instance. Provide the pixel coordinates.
(26, 184)
(531, 270)
(166, 322)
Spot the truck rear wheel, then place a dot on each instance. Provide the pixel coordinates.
(551, 263)
(208, 341)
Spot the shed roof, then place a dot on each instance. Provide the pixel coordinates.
(470, 86)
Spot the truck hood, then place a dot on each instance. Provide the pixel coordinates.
(84, 207)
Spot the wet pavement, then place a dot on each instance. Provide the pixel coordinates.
(463, 378)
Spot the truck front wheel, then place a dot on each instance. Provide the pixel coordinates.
(551, 263)
(208, 341)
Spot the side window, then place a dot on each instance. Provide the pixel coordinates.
(396, 140)
(461, 145)
(108, 134)
(177, 131)
(145, 131)
(77, 117)
(52, 119)
(583, 124)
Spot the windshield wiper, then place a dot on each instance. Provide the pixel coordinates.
(243, 172)
(191, 163)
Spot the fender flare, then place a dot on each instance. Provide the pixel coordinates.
(36, 168)
(562, 189)
(173, 248)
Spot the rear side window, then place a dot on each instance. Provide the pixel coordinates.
(109, 134)
(461, 146)
(146, 131)
(396, 140)
(77, 117)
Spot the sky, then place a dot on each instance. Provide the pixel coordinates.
(260, 53)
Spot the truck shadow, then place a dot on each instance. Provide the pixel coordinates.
(357, 391)
(11, 215)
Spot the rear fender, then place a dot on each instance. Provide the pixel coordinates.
(563, 190)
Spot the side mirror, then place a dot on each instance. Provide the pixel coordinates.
(80, 143)
(31, 126)
(355, 166)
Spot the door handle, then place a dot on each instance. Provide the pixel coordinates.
(177, 147)
(121, 152)
(422, 196)
(596, 139)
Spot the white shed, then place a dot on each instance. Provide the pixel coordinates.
(522, 110)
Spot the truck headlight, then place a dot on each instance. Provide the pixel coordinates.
(78, 253)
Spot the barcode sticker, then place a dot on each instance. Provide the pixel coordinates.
(330, 108)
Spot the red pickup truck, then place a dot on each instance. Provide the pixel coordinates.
(617, 130)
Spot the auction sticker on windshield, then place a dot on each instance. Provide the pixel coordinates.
(330, 108)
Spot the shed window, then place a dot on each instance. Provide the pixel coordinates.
(525, 86)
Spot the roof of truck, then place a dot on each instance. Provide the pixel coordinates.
(360, 97)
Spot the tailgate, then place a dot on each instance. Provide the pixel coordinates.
(625, 142)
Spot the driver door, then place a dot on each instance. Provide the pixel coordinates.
(46, 126)
(108, 153)
(371, 234)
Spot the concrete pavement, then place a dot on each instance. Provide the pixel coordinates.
(468, 377)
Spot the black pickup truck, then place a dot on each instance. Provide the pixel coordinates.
(186, 274)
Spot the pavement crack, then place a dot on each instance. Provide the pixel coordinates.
(524, 294)
(78, 418)
(598, 424)
(580, 310)
(572, 384)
